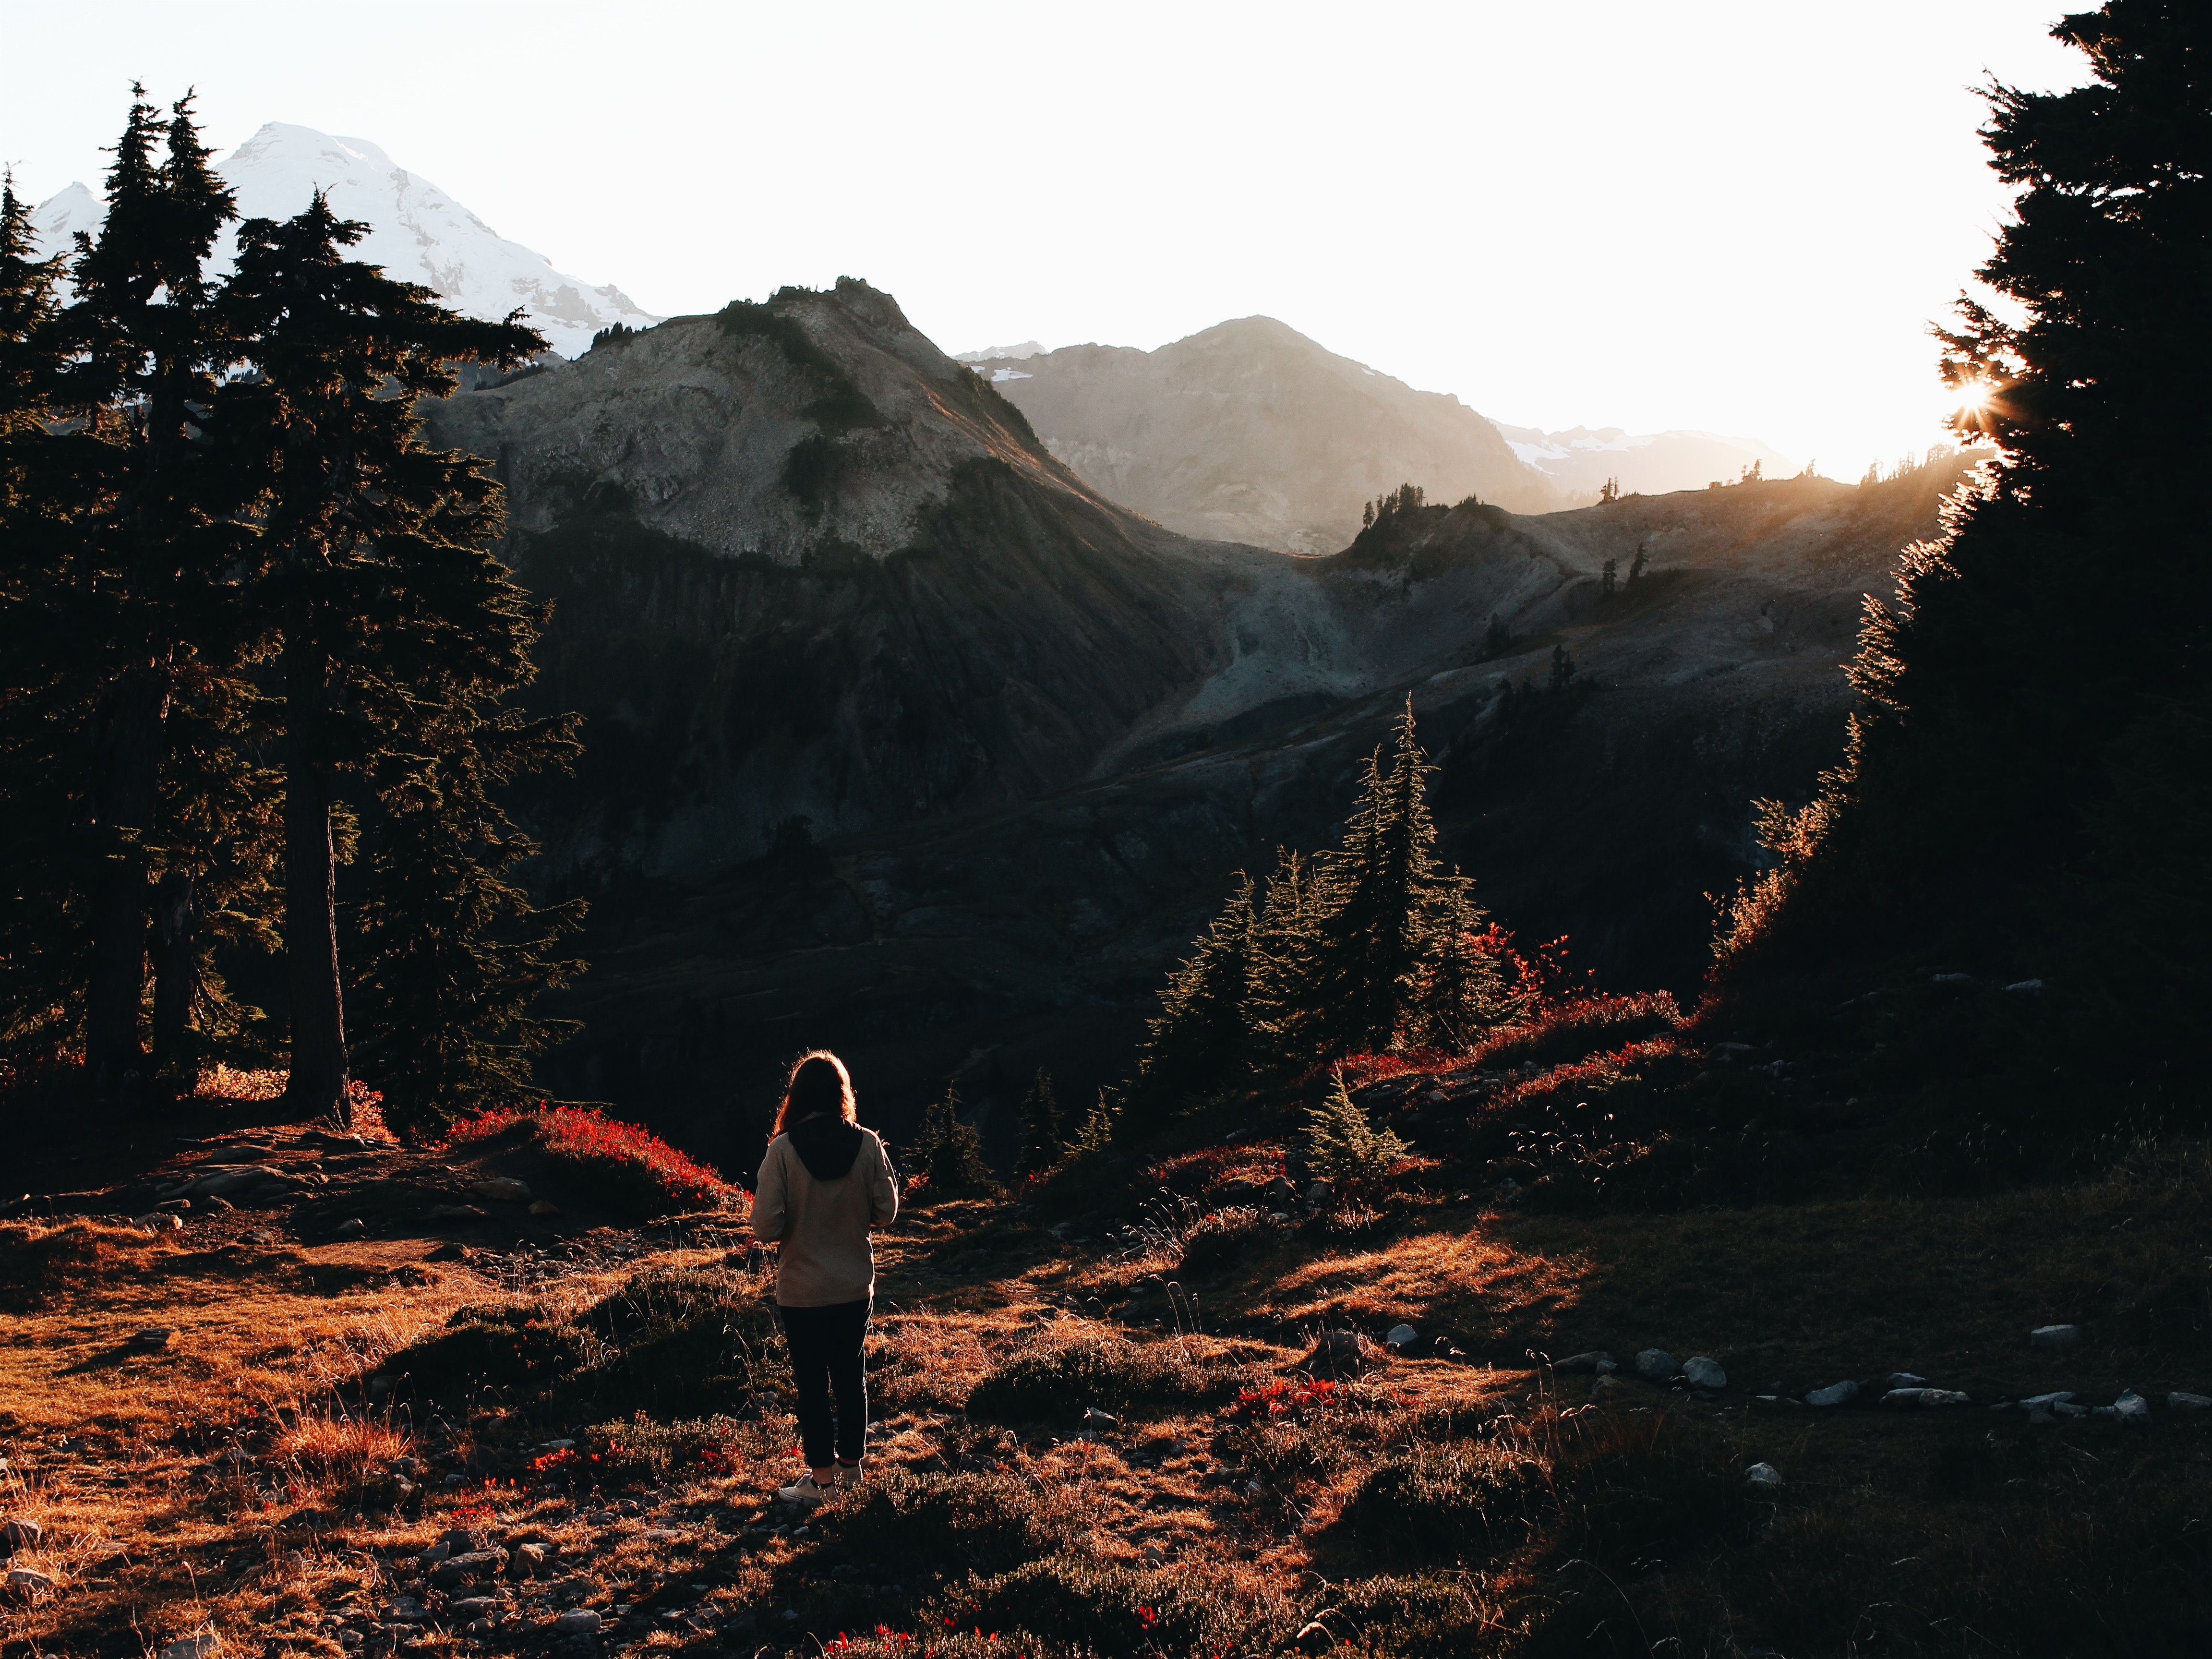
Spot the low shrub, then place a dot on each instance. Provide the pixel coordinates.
(622, 1160)
(682, 1343)
(643, 1452)
(1578, 1026)
(1221, 1239)
(518, 1348)
(40, 1264)
(1058, 1384)
(944, 1524)
(1425, 1614)
(1099, 1606)
(1453, 1502)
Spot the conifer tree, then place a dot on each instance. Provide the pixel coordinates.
(1462, 991)
(1342, 1146)
(1043, 1139)
(375, 574)
(950, 1153)
(454, 954)
(1197, 1041)
(1378, 888)
(146, 621)
(1278, 1007)
(1974, 812)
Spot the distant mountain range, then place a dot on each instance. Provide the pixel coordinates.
(1250, 432)
(420, 234)
(1581, 461)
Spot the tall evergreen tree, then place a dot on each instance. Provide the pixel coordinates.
(1280, 1014)
(147, 621)
(375, 572)
(1973, 817)
(1462, 992)
(1197, 1041)
(1044, 1138)
(1380, 887)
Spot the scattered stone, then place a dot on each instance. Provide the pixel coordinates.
(454, 1212)
(2027, 986)
(1094, 1419)
(192, 1647)
(459, 1541)
(258, 1236)
(160, 1221)
(475, 1607)
(1836, 1394)
(501, 1189)
(2132, 1407)
(1764, 1476)
(530, 1556)
(2189, 1402)
(1705, 1373)
(153, 1336)
(544, 1207)
(350, 1229)
(24, 1581)
(578, 1621)
(1951, 979)
(1655, 1366)
(437, 1552)
(662, 1535)
(2054, 1336)
(452, 1250)
(2043, 1403)
(463, 1569)
(1914, 1399)
(1903, 1379)
(1280, 1189)
(1596, 1360)
(19, 1535)
(1318, 1192)
(1401, 1338)
(1605, 1386)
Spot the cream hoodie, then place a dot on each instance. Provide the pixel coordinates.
(824, 1256)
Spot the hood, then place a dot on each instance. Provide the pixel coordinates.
(826, 1146)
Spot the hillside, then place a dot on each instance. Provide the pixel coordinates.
(1250, 432)
(812, 577)
(1580, 462)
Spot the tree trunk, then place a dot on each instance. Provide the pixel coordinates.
(116, 988)
(318, 1081)
(176, 974)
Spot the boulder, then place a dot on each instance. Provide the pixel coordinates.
(1655, 1366)
(1319, 1193)
(352, 1227)
(152, 1336)
(1836, 1394)
(1279, 1189)
(1704, 1373)
(19, 1535)
(27, 1582)
(2054, 1336)
(453, 1212)
(1401, 1338)
(1765, 1477)
(544, 1207)
(578, 1621)
(192, 1647)
(1605, 1385)
(2132, 1407)
(1915, 1399)
(2043, 1403)
(1341, 1350)
(2189, 1402)
(501, 1189)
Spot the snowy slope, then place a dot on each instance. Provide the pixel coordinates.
(421, 233)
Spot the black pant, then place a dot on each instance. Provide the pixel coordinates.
(825, 1354)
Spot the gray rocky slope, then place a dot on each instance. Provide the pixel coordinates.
(1250, 432)
(808, 568)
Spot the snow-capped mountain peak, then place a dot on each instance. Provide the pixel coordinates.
(419, 234)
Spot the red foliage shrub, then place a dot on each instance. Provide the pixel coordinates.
(1200, 1171)
(1580, 1025)
(1563, 1085)
(627, 1155)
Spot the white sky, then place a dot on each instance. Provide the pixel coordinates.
(1738, 217)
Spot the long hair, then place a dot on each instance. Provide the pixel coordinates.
(818, 1083)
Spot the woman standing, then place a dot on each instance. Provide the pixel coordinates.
(824, 1183)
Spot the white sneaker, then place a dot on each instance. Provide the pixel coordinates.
(802, 1492)
(849, 1475)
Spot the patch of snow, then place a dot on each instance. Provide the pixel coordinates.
(418, 233)
(1000, 375)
